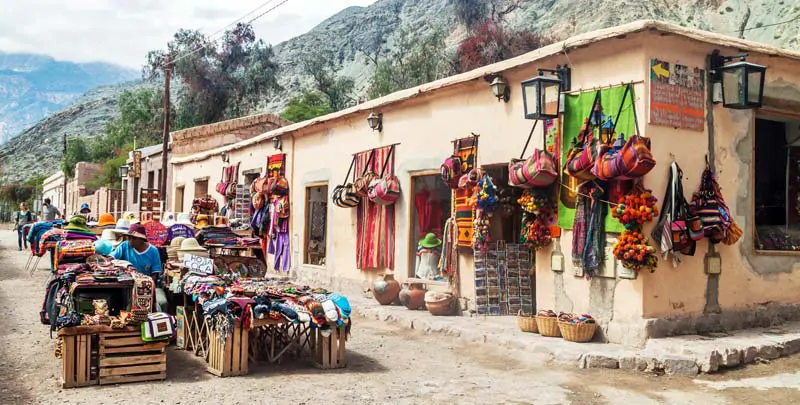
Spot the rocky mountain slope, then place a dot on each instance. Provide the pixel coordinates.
(35, 86)
(359, 31)
(38, 150)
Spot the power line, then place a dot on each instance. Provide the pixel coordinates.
(758, 27)
(186, 55)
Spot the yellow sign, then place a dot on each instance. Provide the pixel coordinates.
(137, 164)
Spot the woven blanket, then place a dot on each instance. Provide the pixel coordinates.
(375, 223)
(142, 295)
(467, 149)
(276, 165)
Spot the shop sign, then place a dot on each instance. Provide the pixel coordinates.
(202, 265)
(137, 164)
(677, 96)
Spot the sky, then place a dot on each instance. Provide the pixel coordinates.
(123, 31)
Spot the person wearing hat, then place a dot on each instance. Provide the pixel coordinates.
(77, 224)
(429, 249)
(106, 221)
(139, 252)
(111, 237)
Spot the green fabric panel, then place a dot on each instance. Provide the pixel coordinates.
(576, 109)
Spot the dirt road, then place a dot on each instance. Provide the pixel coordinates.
(387, 365)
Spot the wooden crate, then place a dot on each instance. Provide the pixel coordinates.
(76, 361)
(124, 357)
(229, 358)
(329, 352)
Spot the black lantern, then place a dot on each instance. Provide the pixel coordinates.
(742, 82)
(541, 95)
(276, 143)
(375, 121)
(123, 171)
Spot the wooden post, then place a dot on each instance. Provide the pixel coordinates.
(64, 207)
(165, 144)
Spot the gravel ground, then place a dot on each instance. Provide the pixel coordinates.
(387, 365)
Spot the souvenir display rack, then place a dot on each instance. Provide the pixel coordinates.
(503, 283)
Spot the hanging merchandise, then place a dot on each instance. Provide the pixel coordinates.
(582, 154)
(385, 189)
(375, 227)
(467, 150)
(535, 232)
(227, 186)
(532, 201)
(589, 232)
(538, 170)
(451, 169)
(361, 184)
(671, 232)
(713, 217)
(345, 195)
(486, 199)
(636, 208)
(632, 248)
(625, 160)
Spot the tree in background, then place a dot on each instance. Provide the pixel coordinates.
(15, 193)
(491, 43)
(337, 89)
(77, 151)
(412, 62)
(306, 106)
(220, 81)
(474, 13)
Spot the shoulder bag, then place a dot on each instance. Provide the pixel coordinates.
(385, 190)
(538, 170)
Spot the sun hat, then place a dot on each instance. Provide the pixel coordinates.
(137, 231)
(131, 217)
(122, 226)
(430, 241)
(77, 223)
(110, 236)
(172, 249)
(85, 206)
(191, 245)
(106, 220)
(185, 218)
(103, 247)
(168, 218)
(201, 221)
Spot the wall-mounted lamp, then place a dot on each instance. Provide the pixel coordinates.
(225, 157)
(123, 171)
(375, 121)
(276, 143)
(499, 86)
(541, 95)
(741, 83)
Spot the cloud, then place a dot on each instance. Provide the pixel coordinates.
(123, 31)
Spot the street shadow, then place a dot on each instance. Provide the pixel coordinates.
(184, 366)
(356, 363)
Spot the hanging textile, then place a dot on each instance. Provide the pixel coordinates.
(467, 150)
(375, 223)
(276, 165)
(576, 108)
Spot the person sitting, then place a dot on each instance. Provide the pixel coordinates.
(141, 254)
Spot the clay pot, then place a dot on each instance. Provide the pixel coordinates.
(412, 296)
(385, 291)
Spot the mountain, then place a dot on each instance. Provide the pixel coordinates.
(35, 86)
(38, 150)
(356, 30)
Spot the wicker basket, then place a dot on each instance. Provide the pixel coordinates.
(527, 323)
(548, 326)
(577, 332)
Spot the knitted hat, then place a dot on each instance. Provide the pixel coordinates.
(77, 223)
(106, 220)
(430, 241)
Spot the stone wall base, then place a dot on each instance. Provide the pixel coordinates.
(766, 315)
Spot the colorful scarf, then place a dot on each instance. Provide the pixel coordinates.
(375, 227)
(579, 227)
(594, 250)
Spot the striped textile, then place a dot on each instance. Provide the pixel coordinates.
(276, 165)
(467, 149)
(375, 231)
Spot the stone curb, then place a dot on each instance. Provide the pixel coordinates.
(680, 356)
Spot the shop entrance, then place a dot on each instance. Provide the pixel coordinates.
(431, 208)
(504, 270)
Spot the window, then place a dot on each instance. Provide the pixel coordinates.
(200, 188)
(777, 185)
(179, 198)
(250, 177)
(316, 225)
(150, 179)
(135, 190)
(158, 177)
(430, 209)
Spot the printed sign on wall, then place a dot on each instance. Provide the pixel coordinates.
(677, 96)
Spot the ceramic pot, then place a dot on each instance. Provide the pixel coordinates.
(412, 296)
(385, 291)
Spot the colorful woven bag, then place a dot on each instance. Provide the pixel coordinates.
(583, 153)
(538, 170)
(344, 195)
(385, 190)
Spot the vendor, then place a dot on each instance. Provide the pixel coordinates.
(136, 250)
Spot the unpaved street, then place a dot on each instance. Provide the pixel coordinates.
(386, 365)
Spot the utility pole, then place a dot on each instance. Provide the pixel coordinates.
(64, 208)
(165, 145)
